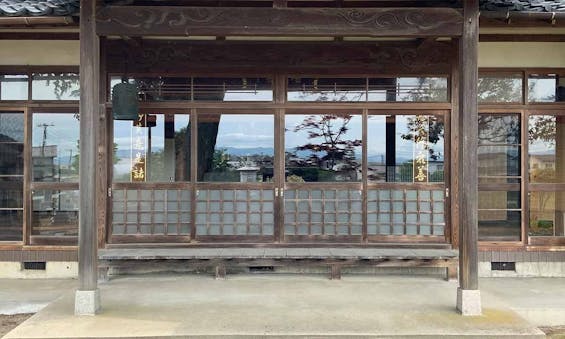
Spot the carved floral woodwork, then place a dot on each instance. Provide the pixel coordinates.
(222, 21)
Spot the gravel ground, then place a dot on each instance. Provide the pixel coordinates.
(9, 322)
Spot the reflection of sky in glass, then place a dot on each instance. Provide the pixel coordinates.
(246, 131)
(294, 139)
(62, 130)
(542, 89)
(345, 96)
(376, 135)
(404, 148)
(13, 87)
(259, 95)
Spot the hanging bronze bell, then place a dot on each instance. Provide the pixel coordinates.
(125, 104)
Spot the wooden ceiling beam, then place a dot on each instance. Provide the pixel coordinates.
(268, 21)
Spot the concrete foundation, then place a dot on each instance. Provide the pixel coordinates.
(53, 270)
(469, 302)
(529, 269)
(87, 302)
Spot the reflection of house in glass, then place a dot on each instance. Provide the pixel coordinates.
(44, 166)
(542, 161)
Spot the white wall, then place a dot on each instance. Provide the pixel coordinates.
(39, 52)
(522, 54)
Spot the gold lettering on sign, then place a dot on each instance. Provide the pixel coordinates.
(420, 162)
(138, 155)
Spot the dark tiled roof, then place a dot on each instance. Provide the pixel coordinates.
(39, 7)
(523, 5)
(17, 8)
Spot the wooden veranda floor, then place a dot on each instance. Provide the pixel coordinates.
(222, 259)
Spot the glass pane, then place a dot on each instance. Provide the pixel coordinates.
(499, 200)
(163, 88)
(499, 129)
(55, 86)
(500, 88)
(499, 225)
(156, 148)
(499, 160)
(546, 88)
(11, 144)
(55, 213)
(408, 89)
(327, 89)
(55, 151)
(11, 127)
(547, 214)
(376, 148)
(13, 87)
(235, 147)
(11, 192)
(11, 158)
(233, 89)
(415, 148)
(321, 148)
(11, 225)
(546, 136)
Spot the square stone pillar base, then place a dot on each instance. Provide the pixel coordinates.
(469, 302)
(87, 302)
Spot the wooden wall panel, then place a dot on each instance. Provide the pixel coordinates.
(178, 57)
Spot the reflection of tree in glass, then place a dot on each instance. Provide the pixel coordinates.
(499, 129)
(542, 128)
(328, 133)
(220, 160)
(499, 89)
(63, 83)
(427, 129)
(426, 89)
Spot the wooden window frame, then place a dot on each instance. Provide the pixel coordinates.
(54, 186)
(525, 109)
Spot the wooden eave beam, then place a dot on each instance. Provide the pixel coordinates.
(37, 21)
(267, 21)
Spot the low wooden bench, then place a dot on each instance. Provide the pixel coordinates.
(219, 259)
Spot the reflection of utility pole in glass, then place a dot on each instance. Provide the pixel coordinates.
(42, 160)
(43, 142)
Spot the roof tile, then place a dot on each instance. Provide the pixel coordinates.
(39, 7)
(17, 8)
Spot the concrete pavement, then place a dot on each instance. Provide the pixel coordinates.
(31, 295)
(182, 306)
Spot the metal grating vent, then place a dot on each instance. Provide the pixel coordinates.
(34, 265)
(503, 266)
(261, 269)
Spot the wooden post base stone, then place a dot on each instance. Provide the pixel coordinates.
(469, 302)
(87, 302)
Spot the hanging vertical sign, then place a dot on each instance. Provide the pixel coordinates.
(420, 162)
(138, 150)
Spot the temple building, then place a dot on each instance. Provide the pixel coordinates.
(348, 133)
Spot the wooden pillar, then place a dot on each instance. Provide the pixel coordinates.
(468, 296)
(87, 299)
